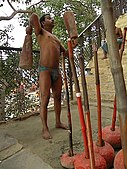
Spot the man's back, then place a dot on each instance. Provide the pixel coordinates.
(118, 32)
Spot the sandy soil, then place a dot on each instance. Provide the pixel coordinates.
(28, 133)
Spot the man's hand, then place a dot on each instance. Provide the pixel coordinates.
(74, 42)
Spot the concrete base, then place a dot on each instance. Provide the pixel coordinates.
(24, 160)
(13, 156)
(8, 146)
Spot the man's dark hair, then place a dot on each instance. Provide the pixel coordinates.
(43, 19)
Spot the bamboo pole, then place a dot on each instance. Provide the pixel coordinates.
(71, 153)
(97, 79)
(117, 72)
(121, 53)
(87, 113)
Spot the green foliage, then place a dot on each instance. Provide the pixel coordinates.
(9, 66)
(5, 38)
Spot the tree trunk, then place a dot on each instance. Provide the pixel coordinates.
(117, 72)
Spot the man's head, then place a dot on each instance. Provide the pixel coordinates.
(46, 20)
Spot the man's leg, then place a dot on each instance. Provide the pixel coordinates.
(56, 89)
(45, 83)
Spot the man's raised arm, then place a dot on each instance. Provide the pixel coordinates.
(34, 23)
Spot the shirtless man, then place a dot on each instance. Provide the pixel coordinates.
(49, 74)
(119, 37)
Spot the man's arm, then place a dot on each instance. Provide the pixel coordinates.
(65, 51)
(120, 32)
(74, 42)
(34, 23)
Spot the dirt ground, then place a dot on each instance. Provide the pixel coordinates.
(28, 133)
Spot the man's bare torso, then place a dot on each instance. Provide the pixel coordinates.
(49, 50)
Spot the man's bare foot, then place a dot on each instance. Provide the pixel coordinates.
(61, 125)
(46, 135)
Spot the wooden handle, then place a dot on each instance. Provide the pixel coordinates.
(69, 21)
(71, 59)
(26, 57)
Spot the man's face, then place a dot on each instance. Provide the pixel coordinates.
(48, 21)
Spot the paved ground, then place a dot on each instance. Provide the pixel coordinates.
(28, 134)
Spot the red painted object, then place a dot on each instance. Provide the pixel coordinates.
(118, 161)
(111, 134)
(112, 137)
(114, 116)
(107, 152)
(103, 148)
(82, 163)
(67, 161)
(78, 95)
(83, 125)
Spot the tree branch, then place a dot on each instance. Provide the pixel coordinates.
(13, 14)
(18, 11)
(11, 5)
(36, 3)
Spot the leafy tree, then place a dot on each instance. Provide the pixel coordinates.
(5, 37)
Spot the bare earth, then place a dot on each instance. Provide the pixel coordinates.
(28, 133)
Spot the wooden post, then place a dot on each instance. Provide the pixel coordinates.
(117, 72)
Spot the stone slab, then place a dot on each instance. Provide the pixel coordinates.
(24, 160)
(8, 146)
